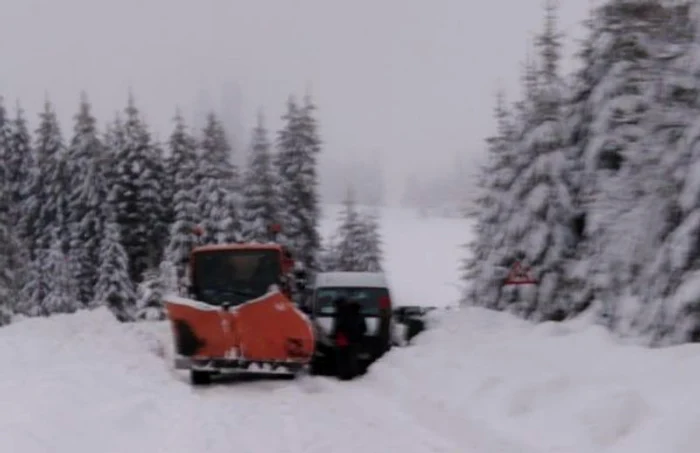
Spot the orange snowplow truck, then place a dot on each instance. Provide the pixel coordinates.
(239, 314)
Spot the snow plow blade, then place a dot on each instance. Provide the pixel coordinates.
(264, 334)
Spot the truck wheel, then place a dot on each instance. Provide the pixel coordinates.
(198, 377)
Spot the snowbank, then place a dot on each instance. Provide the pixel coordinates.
(568, 387)
(479, 382)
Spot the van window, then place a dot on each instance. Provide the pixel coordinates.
(368, 298)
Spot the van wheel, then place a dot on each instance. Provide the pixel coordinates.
(198, 377)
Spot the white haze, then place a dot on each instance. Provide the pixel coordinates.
(409, 83)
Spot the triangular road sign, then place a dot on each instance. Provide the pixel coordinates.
(519, 275)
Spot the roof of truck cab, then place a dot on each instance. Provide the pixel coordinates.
(246, 246)
(350, 280)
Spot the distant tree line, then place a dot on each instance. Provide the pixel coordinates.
(594, 180)
(106, 218)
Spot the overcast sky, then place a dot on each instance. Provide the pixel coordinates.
(413, 79)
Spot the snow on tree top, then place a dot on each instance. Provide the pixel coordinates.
(351, 279)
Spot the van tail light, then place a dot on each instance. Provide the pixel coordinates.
(341, 340)
(384, 303)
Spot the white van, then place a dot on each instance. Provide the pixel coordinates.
(370, 290)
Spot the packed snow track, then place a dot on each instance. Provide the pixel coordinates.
(478, 382)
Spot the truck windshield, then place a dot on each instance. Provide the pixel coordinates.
(368, 298)
(234, 276)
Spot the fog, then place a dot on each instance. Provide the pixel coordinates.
(408, 84)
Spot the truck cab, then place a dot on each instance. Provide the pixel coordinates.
(239, 313)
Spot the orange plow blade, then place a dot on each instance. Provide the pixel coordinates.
(269, 330)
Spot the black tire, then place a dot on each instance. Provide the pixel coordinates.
(198, 377)
(320, 366)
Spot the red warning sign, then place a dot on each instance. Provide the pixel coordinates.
(520, 275)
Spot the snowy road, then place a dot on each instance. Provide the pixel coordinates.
(479, 382)
(107, 387)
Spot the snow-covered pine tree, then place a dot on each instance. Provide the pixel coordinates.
(149, 297)
(372, 256)
(8, 243)
(668, 285)
(578, 121)
(539, 225)
(137, 196)
(21, 168)
(12, 268)
(47, 201)
(183, 166)
(356, 245)
(8, 278)
(217, 186)
(87, 194)
(158, 171)
(327, 255)
(5, 144)
(345, 250)
(35, 286)
(114, 288)
(62, 295)
(622, 224)
(298, 148)
(259, 210)
(485, 251)
(113, 140)
(183, 154)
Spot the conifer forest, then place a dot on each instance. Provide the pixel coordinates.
(107, 216)
(593, 178)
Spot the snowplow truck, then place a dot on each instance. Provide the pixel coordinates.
(239, 314)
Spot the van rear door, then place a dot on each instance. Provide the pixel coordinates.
(370, 300)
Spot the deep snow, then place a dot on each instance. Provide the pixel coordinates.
(478, 382)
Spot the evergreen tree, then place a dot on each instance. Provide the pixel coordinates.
(8, 241)
(327, 255)
(183, 167)
(619, 218)
(114, 287)
(217, 186)
(486, 254)
(539, 227)
(298, 148)
(137, 197)
(259, 204)
(357, 243)
(5, 145)
(47, 202)
(21, 168)
(114, 139)
(149, 297)
(61, 296)
(35, 287)
(671, 275)
(88, 193)
(158, 171)
(372, 255)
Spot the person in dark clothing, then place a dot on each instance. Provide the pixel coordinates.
(348, 334)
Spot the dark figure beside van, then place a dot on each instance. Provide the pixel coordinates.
(348, 334)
